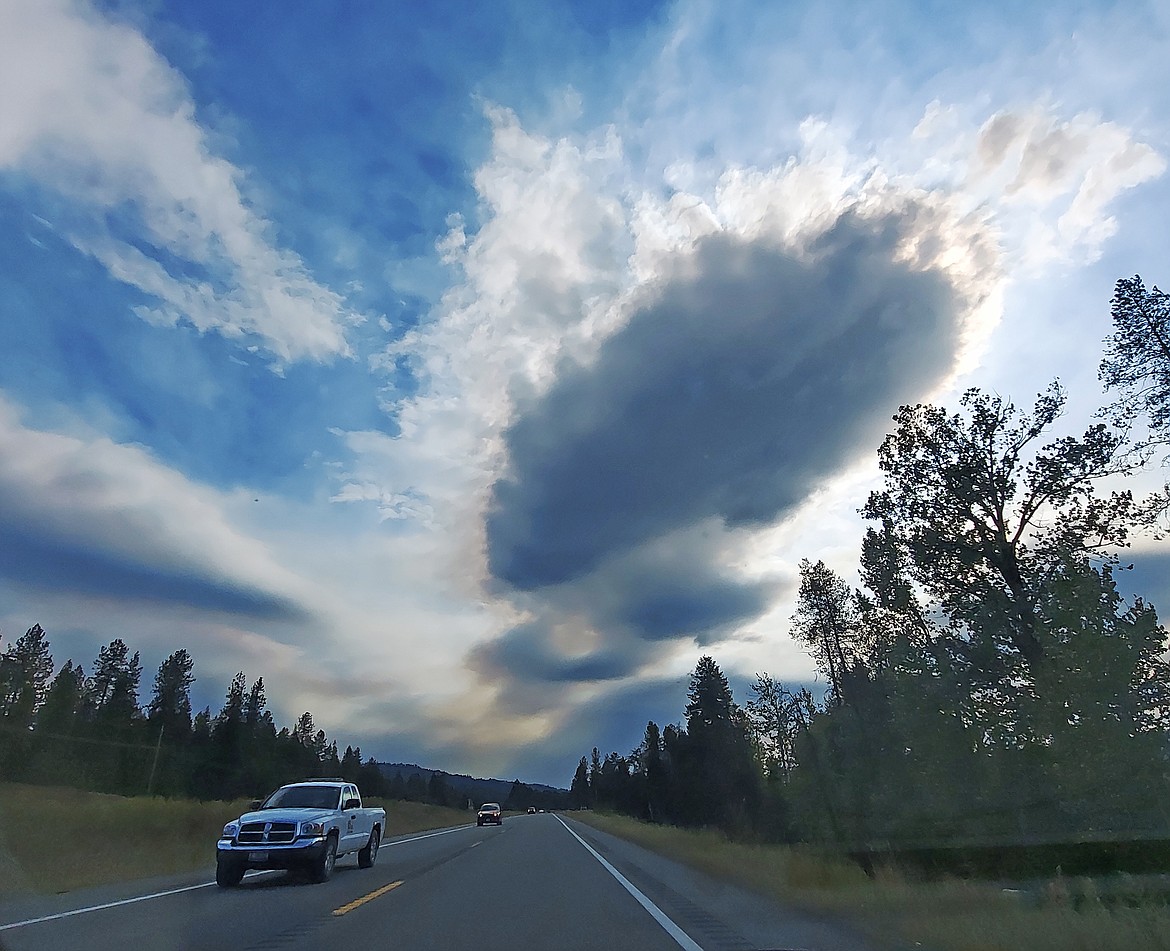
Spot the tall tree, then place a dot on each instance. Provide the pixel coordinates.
(113, 687)
(25, 669)
(718, 760)
(652, 767)
(594, 775)
(63, 700)
(579, 788)
(170, 705)
(1136, 362)
(229, 722)
(987, 513)
(826, 621)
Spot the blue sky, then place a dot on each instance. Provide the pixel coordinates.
(466, 370)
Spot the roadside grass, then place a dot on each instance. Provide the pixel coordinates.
(55, 839)
(899, 912)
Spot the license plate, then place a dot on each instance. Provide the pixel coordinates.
(257, 856)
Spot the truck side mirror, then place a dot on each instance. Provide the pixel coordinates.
(352, 804)
(256, 803)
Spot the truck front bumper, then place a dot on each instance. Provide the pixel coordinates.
(293, 855)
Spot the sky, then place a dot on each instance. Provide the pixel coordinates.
(467, 370)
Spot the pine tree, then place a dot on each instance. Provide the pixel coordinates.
(719, 766)
(25, 669)
(579, 788)
(63, 700)
(170, 706)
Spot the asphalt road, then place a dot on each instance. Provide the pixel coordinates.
(537, 882)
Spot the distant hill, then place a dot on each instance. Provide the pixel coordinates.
(477, 790)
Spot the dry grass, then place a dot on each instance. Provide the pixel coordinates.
(55, 840)
(950, 915)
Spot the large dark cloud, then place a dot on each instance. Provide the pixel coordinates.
(614, 621)
(529, 653)
(753, 375)
(42, 560)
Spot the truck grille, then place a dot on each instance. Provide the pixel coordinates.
(267, 833)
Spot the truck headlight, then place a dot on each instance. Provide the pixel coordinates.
(230, 830)
(312, 828)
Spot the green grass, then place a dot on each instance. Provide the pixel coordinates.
(948, 915)
(54, 839)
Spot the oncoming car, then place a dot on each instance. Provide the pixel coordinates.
(489, 812)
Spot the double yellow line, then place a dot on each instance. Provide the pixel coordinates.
(358, 902)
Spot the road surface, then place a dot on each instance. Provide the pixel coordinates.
(536, 882)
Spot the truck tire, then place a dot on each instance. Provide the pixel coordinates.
(228, 874)
(369, 855)
(322, 868)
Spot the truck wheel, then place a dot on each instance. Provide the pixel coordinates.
(228, 874)
(369, 855)
(322, 868)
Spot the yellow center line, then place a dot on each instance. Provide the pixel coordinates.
(358, 902)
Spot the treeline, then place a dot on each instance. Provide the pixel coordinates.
(88, 730)
(986, 683)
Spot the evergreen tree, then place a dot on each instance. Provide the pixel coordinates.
(170, 705)
(25, 670)
(826, 621)
(653, 770)
(719, 765)
(254, 707)
(63, 700)
(594, 775)
(579, 788)
(351, 763)
(1136, 363)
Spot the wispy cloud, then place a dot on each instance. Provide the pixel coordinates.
(92, 111)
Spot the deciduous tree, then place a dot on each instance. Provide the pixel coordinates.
(987, 511)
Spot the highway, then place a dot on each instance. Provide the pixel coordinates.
(537, 882)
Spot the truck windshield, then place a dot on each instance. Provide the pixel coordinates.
(303, 797)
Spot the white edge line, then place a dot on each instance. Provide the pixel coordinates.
(185, 888)
(109, 904)
(656, 913)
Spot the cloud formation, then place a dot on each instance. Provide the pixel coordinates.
(693, 289)
(757, 372)
(1072, 168)
(94, 113)
(90, 517)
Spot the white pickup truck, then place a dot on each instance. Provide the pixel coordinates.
(300, 826)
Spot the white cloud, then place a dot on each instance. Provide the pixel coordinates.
(1057, 179)
(91, 110)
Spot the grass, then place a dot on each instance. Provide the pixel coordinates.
(55, 840)
(946, 915)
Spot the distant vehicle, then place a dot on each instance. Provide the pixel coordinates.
(303, 826)
(489, 812)
(532, 810)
